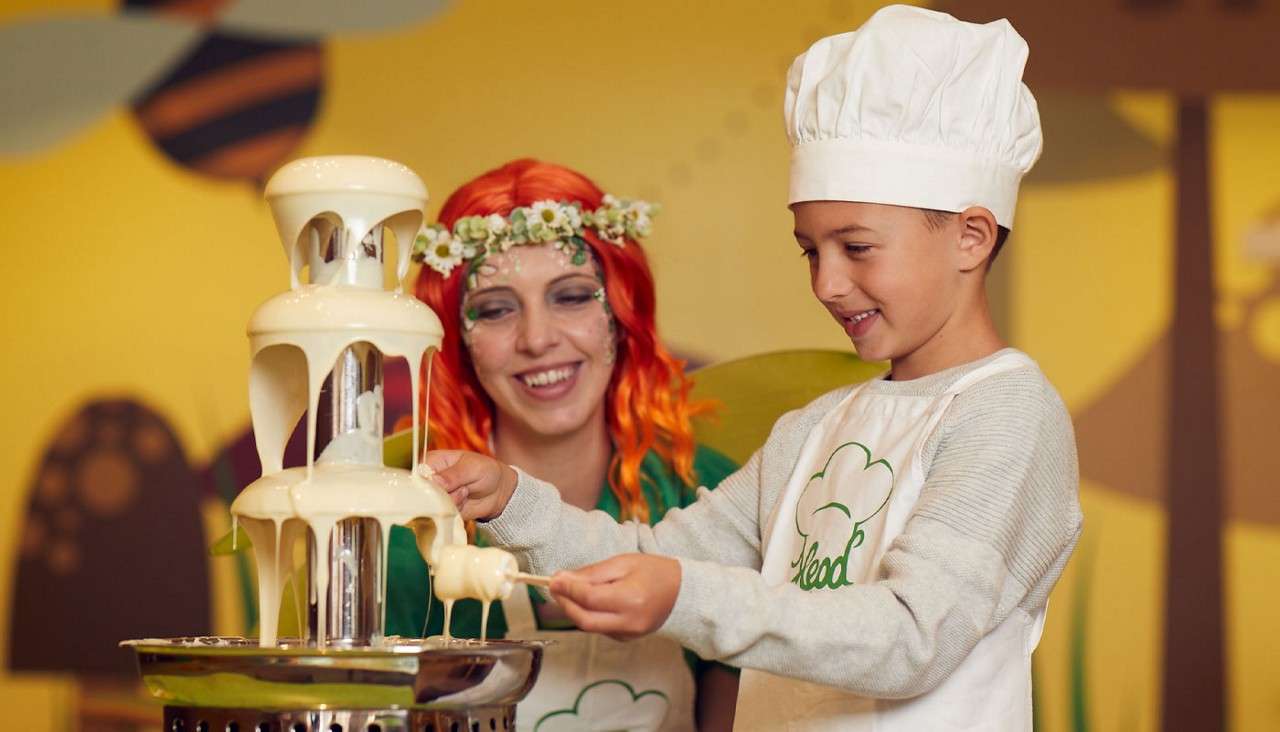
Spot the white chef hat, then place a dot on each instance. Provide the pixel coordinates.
(915, 108)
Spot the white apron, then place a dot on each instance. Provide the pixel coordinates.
(592, 683)
(855, 484)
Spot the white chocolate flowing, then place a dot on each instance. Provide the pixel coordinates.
(312, 196)
(295, 340)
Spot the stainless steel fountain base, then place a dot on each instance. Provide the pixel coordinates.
(433, 685)
(475, 719)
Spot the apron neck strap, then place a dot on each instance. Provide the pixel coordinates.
(1007, 362)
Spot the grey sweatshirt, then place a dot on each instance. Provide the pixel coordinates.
(996, 520)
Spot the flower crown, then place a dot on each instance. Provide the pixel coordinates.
(545, 222)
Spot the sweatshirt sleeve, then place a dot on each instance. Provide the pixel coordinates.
(722, 526)
(548, 535)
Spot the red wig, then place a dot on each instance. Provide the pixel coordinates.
(648, 405)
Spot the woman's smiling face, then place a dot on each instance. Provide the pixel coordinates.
(540, 338)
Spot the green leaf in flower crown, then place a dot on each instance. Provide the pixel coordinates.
(472, 268)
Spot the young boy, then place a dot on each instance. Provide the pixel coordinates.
(883, 562)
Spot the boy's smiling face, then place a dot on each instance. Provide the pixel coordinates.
(903, 290)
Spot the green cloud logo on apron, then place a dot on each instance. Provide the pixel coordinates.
(825, 515)
(608, 705)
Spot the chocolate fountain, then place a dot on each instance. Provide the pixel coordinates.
(317, 350)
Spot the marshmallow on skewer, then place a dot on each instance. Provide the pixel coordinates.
(480, 573)
(464, 571)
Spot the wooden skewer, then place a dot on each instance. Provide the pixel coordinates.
(532, 579)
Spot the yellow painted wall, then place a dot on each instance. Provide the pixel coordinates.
(1246, 152)
(126, 275)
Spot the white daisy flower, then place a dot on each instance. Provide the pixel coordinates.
(443, 252)
(497, 224)
(573, 216)
(642, 224)
(547, 213)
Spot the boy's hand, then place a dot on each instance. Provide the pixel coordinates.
(479, 485)
(624, 597)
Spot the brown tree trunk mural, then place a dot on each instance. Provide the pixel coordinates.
(1193, 695)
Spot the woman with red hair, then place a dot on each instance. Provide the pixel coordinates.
(551, 361)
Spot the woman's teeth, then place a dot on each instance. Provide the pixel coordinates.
(862, 316)
(548, 377)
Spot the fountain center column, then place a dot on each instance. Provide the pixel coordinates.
(351, 418)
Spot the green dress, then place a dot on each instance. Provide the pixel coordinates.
(408, 590)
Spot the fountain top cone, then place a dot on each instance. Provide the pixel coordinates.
(317, 351)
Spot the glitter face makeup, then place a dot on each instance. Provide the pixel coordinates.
(541, 338)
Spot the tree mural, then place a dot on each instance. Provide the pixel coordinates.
(223, 89)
